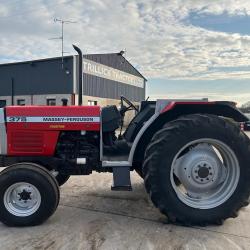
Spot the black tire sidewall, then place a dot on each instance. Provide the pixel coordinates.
(166, 195)
(44, 186)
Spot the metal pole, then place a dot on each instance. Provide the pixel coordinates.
(62, 36)
(80, 83)
(12, 91)
(62, 43)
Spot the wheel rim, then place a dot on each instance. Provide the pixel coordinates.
(205, 173)
(22, 199)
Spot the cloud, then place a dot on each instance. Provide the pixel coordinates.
(240, 98)
(156, 34)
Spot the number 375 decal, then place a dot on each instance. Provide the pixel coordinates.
(16, 119)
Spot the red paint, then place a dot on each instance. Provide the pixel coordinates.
(168, 107)
(40, 138)
(53, 111)
(35, 144)
(171, 105)
(40, 111)
(47, 126)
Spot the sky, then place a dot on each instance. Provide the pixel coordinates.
(185, 48)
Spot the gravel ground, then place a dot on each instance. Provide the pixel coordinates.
(90, 216)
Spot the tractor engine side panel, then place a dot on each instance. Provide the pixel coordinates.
(34, 130)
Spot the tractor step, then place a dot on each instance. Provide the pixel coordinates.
(121, 179)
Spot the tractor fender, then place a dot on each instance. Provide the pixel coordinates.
(171, 111)
(138, 139)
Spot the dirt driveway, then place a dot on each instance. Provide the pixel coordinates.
(90, 216)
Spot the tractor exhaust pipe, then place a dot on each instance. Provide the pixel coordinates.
(80, 93)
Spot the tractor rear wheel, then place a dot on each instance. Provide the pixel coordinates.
(197, 170)
(29, 195)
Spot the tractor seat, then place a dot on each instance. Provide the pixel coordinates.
(111, 119)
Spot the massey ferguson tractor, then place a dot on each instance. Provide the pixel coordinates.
(192, 155)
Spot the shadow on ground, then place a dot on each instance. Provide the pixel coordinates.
(90, 216)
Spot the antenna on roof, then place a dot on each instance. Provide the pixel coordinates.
(62, 35)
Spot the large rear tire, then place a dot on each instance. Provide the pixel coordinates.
(29, 195)
(197, 170)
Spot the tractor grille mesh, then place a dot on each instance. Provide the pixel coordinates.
(27, 141)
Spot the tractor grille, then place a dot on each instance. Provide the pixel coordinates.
(27, 141)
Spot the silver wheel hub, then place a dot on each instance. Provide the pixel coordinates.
(207, 171)
(22, 199)
(203, 173)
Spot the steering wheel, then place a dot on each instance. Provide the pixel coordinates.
(125, 108)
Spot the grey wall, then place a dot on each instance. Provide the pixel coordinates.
(115, 61)
(100, 87)
(36, 99)
(46, 77)
(37, 77)
(96, 86)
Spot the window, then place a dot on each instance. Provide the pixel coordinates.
(2, 103)
(92, 103)
(51, 102)
(21, 102)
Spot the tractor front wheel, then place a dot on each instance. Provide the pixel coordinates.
(197, 170)
(29, 195)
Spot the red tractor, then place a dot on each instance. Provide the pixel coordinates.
(192, 155)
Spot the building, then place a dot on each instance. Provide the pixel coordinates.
(46, 82)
